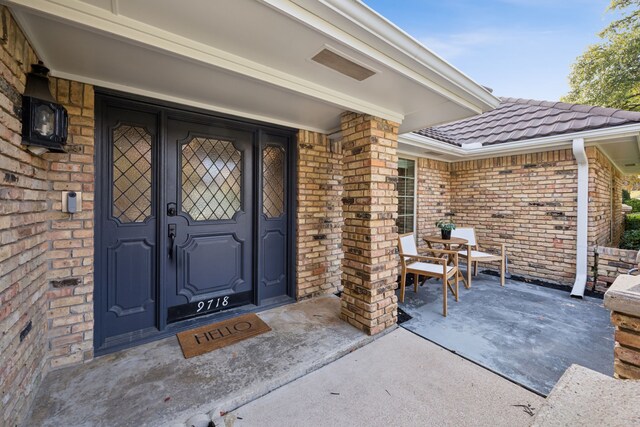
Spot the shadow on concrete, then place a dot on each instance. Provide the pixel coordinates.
(524, 332)
(154, 385)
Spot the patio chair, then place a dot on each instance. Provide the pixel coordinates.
(418, 264)
(474, 255)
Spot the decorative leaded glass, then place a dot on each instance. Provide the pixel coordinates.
(131, 173)
(273, 181)
(211, 179)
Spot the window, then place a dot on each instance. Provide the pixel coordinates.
(211, 179)
(272, 181)
(406, 195)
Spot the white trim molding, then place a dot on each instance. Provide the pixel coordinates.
(456, 153)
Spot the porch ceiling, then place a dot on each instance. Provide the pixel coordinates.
(251, 58)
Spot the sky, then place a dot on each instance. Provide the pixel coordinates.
(519, 48)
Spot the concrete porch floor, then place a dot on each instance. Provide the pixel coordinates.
(154, 385)
(527, 333)
(415, 383)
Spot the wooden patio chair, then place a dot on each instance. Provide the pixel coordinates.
(418, 264)
(474, 255)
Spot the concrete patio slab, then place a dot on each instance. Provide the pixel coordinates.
(583, 397)
(398, 380)
(154, 385)
(527, 333)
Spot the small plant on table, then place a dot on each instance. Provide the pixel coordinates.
(446, 225)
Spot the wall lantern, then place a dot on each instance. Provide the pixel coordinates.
(44, 121)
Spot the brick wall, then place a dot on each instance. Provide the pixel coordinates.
(606, 222)
(433, 194)
(319, 216)
(24, 224)
(607, 263)
(529, 202)
(626, 352)
(41, 248)
(70, 294)
(526, 201)
(369, 238)
(623, 300)
(618, 214)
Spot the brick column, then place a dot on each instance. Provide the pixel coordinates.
(369, 237)
(623, 299)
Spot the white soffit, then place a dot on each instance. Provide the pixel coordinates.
(625, 154)
(249, 58)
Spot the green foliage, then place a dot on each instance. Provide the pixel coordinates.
(608, 73)
(630, 240)
(632, 221)
(625, 195)
(634, 203)
(446, 224)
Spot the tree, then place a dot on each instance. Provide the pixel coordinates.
(608, 73)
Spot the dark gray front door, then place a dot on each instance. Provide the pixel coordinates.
(192, 220)
(210, 218)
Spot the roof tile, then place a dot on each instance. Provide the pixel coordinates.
(518, 119)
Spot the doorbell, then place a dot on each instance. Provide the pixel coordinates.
(71, 201)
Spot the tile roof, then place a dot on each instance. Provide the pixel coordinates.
(517, 119)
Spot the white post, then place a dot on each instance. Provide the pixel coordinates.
(583, 218)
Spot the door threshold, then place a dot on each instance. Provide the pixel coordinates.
(132, 341)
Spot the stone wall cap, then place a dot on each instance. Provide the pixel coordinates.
(586, 397)
(624, 295)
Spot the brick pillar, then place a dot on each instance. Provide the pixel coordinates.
(623, 299)
(369, 237)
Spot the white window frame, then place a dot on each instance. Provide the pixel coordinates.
(415, 190)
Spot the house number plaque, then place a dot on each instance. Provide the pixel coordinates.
(207, 306)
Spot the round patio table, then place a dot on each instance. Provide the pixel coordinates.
(446, 242)
(459, 241)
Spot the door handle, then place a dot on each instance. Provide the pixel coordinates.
(172, 239)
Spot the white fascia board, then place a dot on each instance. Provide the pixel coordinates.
(431, 144)
(99, 20)
(478, 100)
(591, 137)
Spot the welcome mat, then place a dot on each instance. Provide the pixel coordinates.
(217, 335)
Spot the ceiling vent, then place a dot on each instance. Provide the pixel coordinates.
(630, 164)
(342, 65)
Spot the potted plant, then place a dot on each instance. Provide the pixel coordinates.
(446, 225)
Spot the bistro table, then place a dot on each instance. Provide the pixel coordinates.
(458, 241)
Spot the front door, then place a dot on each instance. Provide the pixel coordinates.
(209, 196)
(192, 220)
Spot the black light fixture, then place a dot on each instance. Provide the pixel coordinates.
(44, 121)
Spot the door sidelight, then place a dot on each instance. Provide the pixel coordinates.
(172, 239)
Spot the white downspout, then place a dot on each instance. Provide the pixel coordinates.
(583, 218)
